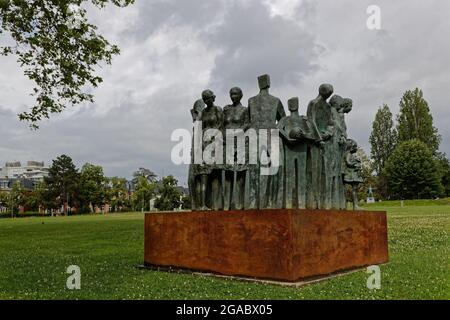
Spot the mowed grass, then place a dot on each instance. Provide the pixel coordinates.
(35, 253)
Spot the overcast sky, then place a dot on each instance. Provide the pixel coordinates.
(174, 49)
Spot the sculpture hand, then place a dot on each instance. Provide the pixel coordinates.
(322, 147)
(326, 136)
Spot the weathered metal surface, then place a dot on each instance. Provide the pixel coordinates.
(278, 244)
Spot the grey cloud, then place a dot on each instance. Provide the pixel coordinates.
(155, 13)
(253, 43)
(122, 140)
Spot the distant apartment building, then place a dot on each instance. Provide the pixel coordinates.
(29, 175)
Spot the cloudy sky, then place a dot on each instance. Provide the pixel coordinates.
(174, 49)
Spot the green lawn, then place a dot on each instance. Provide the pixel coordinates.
(35, 252)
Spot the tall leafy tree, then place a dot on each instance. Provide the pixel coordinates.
(117, 193)
(92, 185)
(36, 198)
(415, 120)
(58, 48)
(4, 200)
(17, 197)
(169, 197)
(369, 180)
(43, 196)
(62, 182)
(143, 173)
(143, 193)
(382, 139)
(413, 172)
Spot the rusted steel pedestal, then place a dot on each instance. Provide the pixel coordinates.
(279, 244)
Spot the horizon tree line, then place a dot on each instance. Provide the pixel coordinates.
(88, 190)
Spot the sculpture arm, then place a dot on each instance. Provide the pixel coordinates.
(220, 119)
(195, 115)
(281, 126)
(246, 124)
(249, 114)
(311, 114)
(332, 127)
(329, 132)
(343, 139)
(308, 132)
(350, 161)
(280, 111)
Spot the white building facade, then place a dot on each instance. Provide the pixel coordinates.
(33, 170)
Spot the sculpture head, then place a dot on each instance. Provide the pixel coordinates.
(264, 82)
(236, 95)
(336, 102)
(293, 104)
(347, 105)
(208, 97)
(199, 105)
(342, 105)
(326, 90)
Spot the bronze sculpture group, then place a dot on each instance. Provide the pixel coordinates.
(271, 160)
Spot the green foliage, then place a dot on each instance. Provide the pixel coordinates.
(92, 189)
(62, 182)
(383, 138)
(17, 197)
(13, 199)
(143, 173)
(41, 197)
(367, 174)
(145, 190)
(88, 189)
(117, 194)
(186, 202)
(169, 195)
(58, 49)
(4, 199)
(415, 120)
(444, 164)
(37, 197)
(412, 172)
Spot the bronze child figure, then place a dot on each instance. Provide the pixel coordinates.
(353, 170)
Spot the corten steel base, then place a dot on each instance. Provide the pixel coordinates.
(279, 244)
